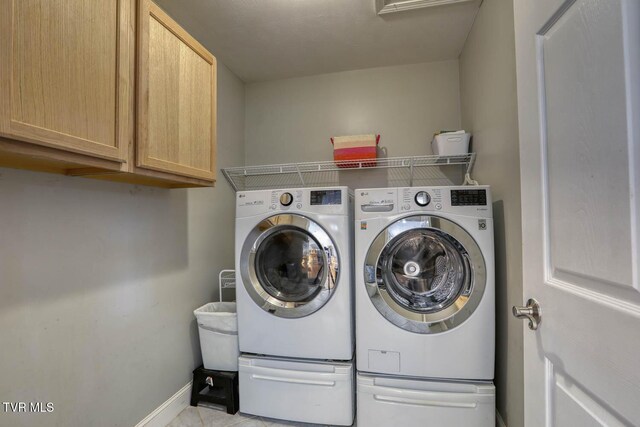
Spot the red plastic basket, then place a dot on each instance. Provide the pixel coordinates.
(356, 151)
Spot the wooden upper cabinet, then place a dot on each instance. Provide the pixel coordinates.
(66, 74)
(176, 98)
(69, 101)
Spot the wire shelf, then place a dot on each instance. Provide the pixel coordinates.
(392, 171)
(226, 280)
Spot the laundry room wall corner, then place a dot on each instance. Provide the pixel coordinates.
(489, 111)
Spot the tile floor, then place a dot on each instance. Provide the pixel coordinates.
(203, 416)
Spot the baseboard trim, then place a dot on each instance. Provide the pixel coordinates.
(170, 409)
(499, 420)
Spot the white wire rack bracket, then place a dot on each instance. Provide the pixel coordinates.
(416, 170)
(226, 280)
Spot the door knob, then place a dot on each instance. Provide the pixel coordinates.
(531, 311)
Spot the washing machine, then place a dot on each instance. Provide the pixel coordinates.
(294, 277)
(294, 293)
(424, 282)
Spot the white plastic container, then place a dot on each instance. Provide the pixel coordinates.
(451, 144)
(298, 391)
(218, 330)
(388, 401)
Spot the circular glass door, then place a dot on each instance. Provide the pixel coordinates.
(289, 265)
(425, 274)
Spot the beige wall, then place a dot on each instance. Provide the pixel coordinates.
(489, 111)
(292, 120)
(98, 282)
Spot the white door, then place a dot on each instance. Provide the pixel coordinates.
(578, 69)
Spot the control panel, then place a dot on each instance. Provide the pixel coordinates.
(421, 199)
(462, 200)
(282, 200)
(469, 197)
(334, 200)
(325, 197)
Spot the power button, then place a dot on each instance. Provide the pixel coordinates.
(422, 198)
(286, 199)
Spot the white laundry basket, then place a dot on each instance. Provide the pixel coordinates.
(451, 143)
(218, 330)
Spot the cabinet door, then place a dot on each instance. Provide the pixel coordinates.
(66, 74)
(176, 98)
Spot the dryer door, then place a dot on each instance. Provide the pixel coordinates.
(289, 265)
(425, 274)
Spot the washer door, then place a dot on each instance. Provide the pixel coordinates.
(289, 265)
(425, 274)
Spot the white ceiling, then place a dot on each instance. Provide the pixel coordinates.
(272, 39)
